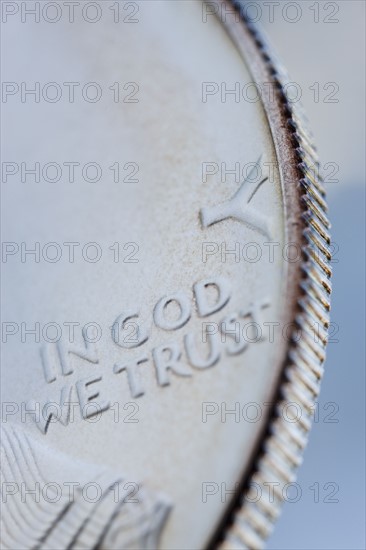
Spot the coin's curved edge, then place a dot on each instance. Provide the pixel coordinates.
(283, 443)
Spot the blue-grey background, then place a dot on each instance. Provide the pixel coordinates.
(333, 52)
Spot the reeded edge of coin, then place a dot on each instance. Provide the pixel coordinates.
(249, 521)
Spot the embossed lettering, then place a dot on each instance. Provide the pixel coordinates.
(166, 358)
(195, 357)
(136, 336)
(60, 411)
(230, 326)
(160, 316)
(88, 395)
(132, 375)
(62, 363)
(222, 286)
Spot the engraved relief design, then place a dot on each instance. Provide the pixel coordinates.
(238, 207)
(52, 501)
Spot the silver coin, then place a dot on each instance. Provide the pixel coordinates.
(165, 280)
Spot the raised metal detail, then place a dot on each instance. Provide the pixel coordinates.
(253, 520)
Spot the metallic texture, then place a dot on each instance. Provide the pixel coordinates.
(252, 520)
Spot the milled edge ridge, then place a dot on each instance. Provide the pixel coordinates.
(285, 442)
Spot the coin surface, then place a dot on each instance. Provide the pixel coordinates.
(165, 281)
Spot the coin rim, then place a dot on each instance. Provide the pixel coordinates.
(249, 521)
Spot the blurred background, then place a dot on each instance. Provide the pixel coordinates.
(324, 52)
(322, 44)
